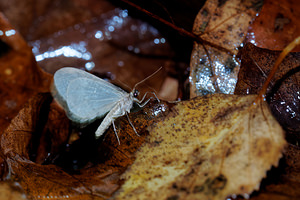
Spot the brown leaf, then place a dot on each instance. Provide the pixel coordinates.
(206, 148)
(54, 135)
(276, 26)
(46, 17)
(20, 77)
(224, 24)
(97, 180)
(10, 191)
(283, 92)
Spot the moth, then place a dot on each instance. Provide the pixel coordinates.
(86, 97)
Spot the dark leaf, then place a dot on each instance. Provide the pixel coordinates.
(283, 92)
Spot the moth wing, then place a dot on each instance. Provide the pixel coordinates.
(85, 97)
(89, 99)
(64, 76)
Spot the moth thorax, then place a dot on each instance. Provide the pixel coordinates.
(126, 103)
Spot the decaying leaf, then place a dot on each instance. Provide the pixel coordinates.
(11, 191)
(20, 77)
(206, 148)
(224, 24)
(26, 136)
(276, 26)
(283, 92)
(283, 183)
(46, 17)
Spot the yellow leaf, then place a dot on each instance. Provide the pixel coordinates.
(206, 148)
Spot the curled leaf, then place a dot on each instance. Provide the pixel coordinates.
(24, 147)
(20, 76)
(206, 148)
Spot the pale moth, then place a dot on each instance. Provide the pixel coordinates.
(86, 98)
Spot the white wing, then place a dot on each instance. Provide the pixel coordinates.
(84, 96)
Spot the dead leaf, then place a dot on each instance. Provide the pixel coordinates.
(46, 17)
(206, 148)
(54, 135)
(98, 180)
(283, 91)
(283, 182)
(11, 191)
(224, 25)
(20, 77)
(276, 26)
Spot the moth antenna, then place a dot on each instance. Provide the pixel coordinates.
(127, 86)
(151, 88)
(146, 78)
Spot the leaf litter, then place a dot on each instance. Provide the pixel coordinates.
(217, 183)
(96, 180)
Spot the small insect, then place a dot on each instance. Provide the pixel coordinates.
(86, 98)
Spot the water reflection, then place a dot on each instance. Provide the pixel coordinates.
(215, 72)
(76, 50)
(251, 37)
(8, 33)
(85, 45)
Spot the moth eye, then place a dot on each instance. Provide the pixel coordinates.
(136, 93)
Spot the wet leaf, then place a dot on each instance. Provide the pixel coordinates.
(283, 92)
(97, 180)
(20, 77)
(46, 17)
(276, 26)
(112, 45)
(206, 148)
(224, 25)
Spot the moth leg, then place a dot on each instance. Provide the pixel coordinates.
(132, 124)
(139, 102)
(113, 123)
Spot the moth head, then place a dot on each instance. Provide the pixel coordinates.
(135, 93)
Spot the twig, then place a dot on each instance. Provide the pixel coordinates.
(179, 29)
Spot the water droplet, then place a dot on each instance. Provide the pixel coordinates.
(10, 32)
(156, 41)
(89, 66)
(111, 28)
(120, 63)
